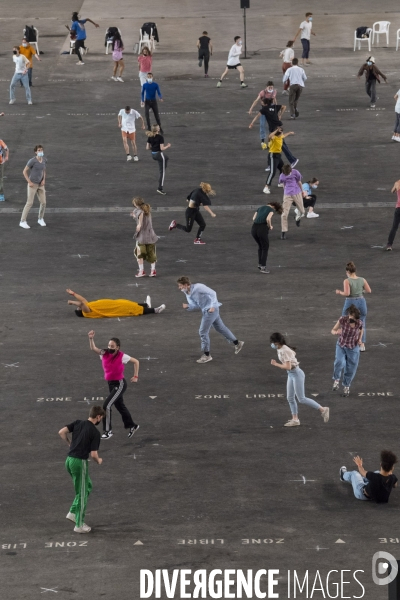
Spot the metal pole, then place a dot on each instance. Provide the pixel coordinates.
(245, 43)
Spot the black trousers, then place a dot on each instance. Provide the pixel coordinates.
(204, 55)
(193, 215)
(395, 226)
(78, 45)
(310, 201)
(116, 398)
(151, 104)
(259, 231)
(146, 309)
(276, 163)
(162, 160)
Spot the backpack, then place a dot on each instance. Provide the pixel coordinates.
(111, 31)
(30, 33)
(362, 32)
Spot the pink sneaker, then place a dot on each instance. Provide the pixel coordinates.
(172, 226)
(199, 241)
(141, 274)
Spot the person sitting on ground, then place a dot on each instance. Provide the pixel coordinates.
(370, 485)
(309, 198)
(99, 309)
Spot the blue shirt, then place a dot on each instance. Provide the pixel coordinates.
(79, 28)
(150, 90)
(307, 189)
(201, 297)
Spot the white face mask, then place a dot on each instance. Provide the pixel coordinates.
(239, 43)
(270, 89)
(25, 45)
(150, 80)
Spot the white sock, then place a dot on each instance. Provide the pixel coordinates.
(153, 266)
(141, 268)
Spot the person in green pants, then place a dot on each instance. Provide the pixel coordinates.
(85, 440)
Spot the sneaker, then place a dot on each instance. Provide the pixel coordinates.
(297, 214)
(294, 163)
(312, 215)
(71, 517)
(325, 414)
(238, 347)
(285, 93)
(129, 157)
(372, 106)
(162, 192)
(268, 169)
(283, 235)
(397, 139)
(264, 270)
(141, 274)
(335, 386)
(41, 222)
(297, 220)
(243, 85)
(132, 430)
(266, 190)
(393, 137)
(30, 102)
(24, 224)
(106, 435)
(153, 274)
(204, 359)
(206, 76)
(83, 529)
(292, 423)
(281, 185)
(388, 247)
(346, 392)
(80, 63)
(260, 267)
(136, 158)
(296, 113)
(264, 145)
(292, 117)
(172, 225)
(114, 78)
(199, 242)
(120, 79)
(2, 199)
(219, 83)
(362, 348)
(342, 471)
(12, 102)
(200, 62)
(148, 301)
(160, 309)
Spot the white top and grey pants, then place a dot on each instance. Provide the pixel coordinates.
(20, 75)
(297, 77)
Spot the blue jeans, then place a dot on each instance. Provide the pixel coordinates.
(285, 149)
(213, 320)
(306, 48)
(263, 132)
(361, 304)
(295, 389)
(358, 482)
(347, 359)
(25, 82)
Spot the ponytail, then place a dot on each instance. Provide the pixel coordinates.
(140, 203)
(277, 338)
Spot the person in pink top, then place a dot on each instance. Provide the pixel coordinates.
(145, 61)
(290, 180)
(117, 48)
(396, 218)
(114, 361)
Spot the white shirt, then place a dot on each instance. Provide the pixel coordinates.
(305, 27)
(21, 63)
(287, 54)
(128, 120)
(397, 107)
(296, 74)
(234, 55)
(125, 358)
(286, 354)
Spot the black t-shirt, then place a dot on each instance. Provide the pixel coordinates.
(379, 486)
(155, 141)
(85, 439)
(371, 74)
(204, 41)
(271, 114)
(199, 197)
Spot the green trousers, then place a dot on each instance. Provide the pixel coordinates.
(79, 471)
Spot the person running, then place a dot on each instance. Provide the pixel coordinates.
(145, 60)
(20, 75)
(201, 297)
(146, 238)
(150, 89)
(396, 217)
(309, 198)
(205, 51)
(35, 175)
(276, 139)
(108, 308)
(117, 50)
(295, 381)
(84, 442)
(372, 485)
(350, 331)
(29, 52)
(305, 32)
(113, 362)
(198, 197)
(372, 75)
(127, 123)
(297, 77)
(396, 132)
(78, 28)
(261, 225)
(287, 56)
(4, 156)
(354, 289)
(155, 143)
(234, 62)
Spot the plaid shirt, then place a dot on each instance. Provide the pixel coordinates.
(350, 335)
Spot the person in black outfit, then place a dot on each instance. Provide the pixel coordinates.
(260, 229)
(372, 485)
(205, 51)
(155, 143)
(196, 198)
(396, 218)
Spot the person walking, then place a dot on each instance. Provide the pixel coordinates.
(350, 331)
(78, 28)
(201, 297)
(287, 56)
(269, 93)
(197, 198)
(297, 77)
(275, 144)
(372, 75)
(354, 289)
(117, 55)
(35, 175)
(396, 131)
(295, 381)
(234, 62)
(150, 89)
(309, 198)
(29, 52)
(145, 60)
(146, 238)
(396, 217)
(290, 180)
(155, 143)
(20, 75)
(205, 48)
(84, 442)
(372, 485)
(261, 225)
(108, 308)
(127, 123)
(113, 362)
(305, 32)
(4, 156)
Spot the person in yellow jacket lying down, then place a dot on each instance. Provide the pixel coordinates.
(100, 309)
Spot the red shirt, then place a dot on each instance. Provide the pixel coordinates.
(350, 336)
(145, 63)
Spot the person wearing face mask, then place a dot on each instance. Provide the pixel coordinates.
(305, 32)
(145, 60)
(20, 75)
(201, 297)
(309, 198)
(234, 62)
(29, 51)
(35, 175)
(108, 308)
(127, 123)
(350, 332)
(372, 75)
(150, 89)
(354, 289)
(295, 381)
(113, 362)
(84, 442)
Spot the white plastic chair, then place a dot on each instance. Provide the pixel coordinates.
(109, 42)
(380, 27)
(397, 39)
(146, 40)
(36, 44)
(357, 41)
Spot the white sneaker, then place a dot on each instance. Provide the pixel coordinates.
(129, 157)
(160, 309)
(266, 190)
(148, 301)
(397, 139)
(84, 529)
(114, 78)
(268, 169)
(204, 359)
(342, 471)
(325, 414)
(30, 102)
(281, 185)
(41, 222)
(312, 215)
(120, 79)
(24, 224)
(238, 347)
(292, 423)
(80, 63)
(12, 102)
(297, 212)
(71, 517)
(135, 158)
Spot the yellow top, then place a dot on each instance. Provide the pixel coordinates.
(113, 308)
(29, 51)
(275, 144)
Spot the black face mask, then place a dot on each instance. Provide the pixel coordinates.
(110, 350)
(98, 423)
(14, 52)
(352, 320)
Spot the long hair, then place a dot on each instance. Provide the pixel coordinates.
(140, 203)
(278, 338)
(154, 131)
(148, 50)
(277, 206)
(207, 189)
(353, 310)
(117, 38)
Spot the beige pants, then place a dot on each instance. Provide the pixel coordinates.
(287, 203)
(41, 194)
